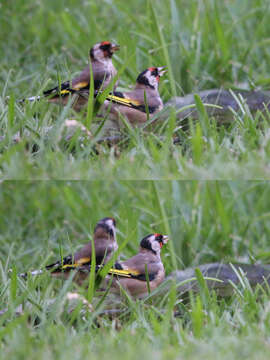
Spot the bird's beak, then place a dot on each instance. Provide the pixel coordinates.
(165, 239)
(162, 70)
(115, 47)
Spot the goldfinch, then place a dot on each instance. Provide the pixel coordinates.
(105, 245)
(135, 104)
(131, 274)
(103, 72)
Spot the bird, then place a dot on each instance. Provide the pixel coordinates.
(135, 105)
(103, 73)
(132, 275)
(105, 246)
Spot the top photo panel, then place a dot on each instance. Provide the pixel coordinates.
(152, 89)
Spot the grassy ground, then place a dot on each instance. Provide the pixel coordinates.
(205, 44)
(207, 221)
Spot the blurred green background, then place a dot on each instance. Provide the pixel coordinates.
(205, 43)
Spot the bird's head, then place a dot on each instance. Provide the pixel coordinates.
(103, 51)
(154, 242)
(106, 228)
(151, 76)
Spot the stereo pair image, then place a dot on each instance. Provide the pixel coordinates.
(134, 275)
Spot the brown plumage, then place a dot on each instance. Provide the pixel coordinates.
(131, 274)
(105, 245)
(103, 73)
(131, 104)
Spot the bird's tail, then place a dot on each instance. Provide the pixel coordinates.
(51, 269)
(30, 99)
(33, 273)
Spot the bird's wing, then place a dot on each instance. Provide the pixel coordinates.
(101, 76)
(68, 263)
(61, 90)
(123, 99)
(136, 268)
(102, 250)
(78, 84)
(133, 99)
(82, 82)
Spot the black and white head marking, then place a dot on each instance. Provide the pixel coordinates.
(154, 242)
(150, 77)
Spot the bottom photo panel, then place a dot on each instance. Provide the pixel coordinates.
(151, 268)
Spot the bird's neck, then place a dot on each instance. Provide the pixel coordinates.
(105, 62)
(147, 88)
(151, 253)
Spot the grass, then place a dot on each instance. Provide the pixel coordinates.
(206, 44)
(206, 222)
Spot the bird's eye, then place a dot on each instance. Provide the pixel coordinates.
(105, 46)
(154, 72)
(159, 237)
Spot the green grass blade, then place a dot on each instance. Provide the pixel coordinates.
(91, 282)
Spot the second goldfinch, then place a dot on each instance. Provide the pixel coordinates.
(103, 73)
(105, 245)
(132, 274)
(135, 104)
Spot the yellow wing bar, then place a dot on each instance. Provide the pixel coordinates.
(125, 273)
(123, 101)
(80, 262)
(77, 87)
(64, 92)
(129, 273)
